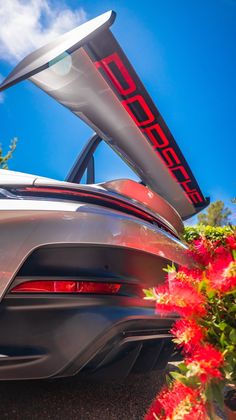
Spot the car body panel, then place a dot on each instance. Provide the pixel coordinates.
(24, 230)
(46, 336)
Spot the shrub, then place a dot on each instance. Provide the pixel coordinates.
(211, 233)
(204, 296)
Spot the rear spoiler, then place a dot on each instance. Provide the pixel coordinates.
(87, 71)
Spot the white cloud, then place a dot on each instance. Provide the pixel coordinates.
(28, 24)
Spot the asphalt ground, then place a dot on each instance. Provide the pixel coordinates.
(76, 399)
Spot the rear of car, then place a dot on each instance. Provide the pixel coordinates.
(74, 262)
(75, 258)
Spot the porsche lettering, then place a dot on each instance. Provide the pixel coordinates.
(144, 118)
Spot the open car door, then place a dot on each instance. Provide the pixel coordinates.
(87, 71)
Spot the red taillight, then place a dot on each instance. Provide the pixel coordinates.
(66, 286)
(99, 288)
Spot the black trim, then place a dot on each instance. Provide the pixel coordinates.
(82, 162)
(95, 261)
(91, 171)
(54, 336)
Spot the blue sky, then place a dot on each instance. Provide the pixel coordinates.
(184, 52)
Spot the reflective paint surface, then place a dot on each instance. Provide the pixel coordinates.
(23, 231)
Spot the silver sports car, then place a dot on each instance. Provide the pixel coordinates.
(76, 256)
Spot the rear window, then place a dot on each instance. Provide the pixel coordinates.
(109, 166)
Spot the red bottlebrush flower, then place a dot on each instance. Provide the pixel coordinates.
(200, 251)
(205, 362)
(189, 275)
(178, 402)
(223, 254)
(198, 412)
(222, 274)
(188, 334)
(231, 241)
(181, 298)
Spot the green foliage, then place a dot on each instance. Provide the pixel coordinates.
(211, 233)
(220, 319)
(5, 158)
(216, 215)
(207, 338)
(221, 330)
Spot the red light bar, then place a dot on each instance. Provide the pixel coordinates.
(115, 201)
(118, 204)
(66, 286)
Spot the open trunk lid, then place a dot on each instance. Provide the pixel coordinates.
(87, 71)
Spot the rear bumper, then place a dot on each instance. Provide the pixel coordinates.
(95, 229)
(54, 336)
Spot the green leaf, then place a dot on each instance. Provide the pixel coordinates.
(222, 339)
(182, 367)
(218, 393)
(232, 336)
(169, 380)
(202, 285)
(211, 294)
(209, 394)
(170, 268)
(179, 377)
(149, 294)
(222, 325)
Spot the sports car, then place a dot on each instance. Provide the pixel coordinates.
(76, 255)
